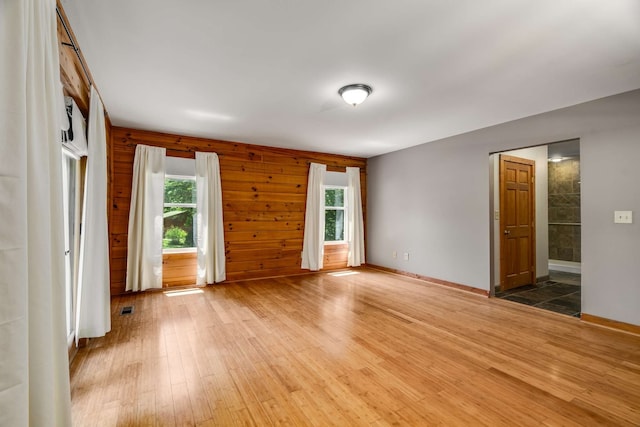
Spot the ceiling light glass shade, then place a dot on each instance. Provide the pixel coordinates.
(355, 94)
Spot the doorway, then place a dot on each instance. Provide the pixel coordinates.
(557, 229)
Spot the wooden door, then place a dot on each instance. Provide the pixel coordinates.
(517, 222)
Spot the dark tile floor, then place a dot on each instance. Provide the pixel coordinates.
(561, 293)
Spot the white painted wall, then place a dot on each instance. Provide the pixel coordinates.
(539, 155)
(433, 201)
(610, 181)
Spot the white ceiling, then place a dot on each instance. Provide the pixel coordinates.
(268, 71)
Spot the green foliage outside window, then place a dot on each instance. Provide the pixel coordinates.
(176, 237)
(334, 197)
(178, 190)
(334, 214)
(179, 213)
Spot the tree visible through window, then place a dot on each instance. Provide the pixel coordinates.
(179, 212)
(334, 214)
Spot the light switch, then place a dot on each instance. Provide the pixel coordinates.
(623, 217)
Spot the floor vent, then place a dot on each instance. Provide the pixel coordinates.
(126, 310)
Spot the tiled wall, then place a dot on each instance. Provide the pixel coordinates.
(564, 210)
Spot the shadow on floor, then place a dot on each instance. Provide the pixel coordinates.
(561, 293)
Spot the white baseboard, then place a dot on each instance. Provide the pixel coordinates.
(566, 266)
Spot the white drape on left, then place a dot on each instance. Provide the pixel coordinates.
(355, 223)
(313, 243)
(210, 225)
(93, 304)
(34, 366)
(144, 243)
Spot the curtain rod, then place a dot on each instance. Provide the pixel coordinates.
(73, 46)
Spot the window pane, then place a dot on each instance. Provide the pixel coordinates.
(179, 228)
(178, 190)
(333, 225)
(334, 197)
(69, 170)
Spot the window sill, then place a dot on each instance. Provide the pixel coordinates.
(338, 242)
(179, 251)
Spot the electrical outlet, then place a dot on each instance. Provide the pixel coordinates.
(623, 217)
(395, 254)
(406, 256)
(496, 215)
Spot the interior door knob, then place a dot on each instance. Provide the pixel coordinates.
(507, 232)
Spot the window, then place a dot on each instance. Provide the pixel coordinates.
(334, 213)
(71, 208)
(179, 212)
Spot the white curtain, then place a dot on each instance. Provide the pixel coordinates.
(313, 243)
(210, 226)
(93, 308)
(355, 223)
(34, 367)
(144, 245)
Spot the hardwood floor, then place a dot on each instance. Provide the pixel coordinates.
(367, 348)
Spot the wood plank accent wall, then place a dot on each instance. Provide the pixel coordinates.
(263, 193)
(179, 269)
(75, 82)
(335, 256)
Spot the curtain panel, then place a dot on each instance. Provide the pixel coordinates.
(144, 243)
(313, 243)
(93, 304)
(355, 223)
(34, 366)
(210, 226)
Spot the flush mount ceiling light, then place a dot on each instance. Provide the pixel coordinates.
(355, 94)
